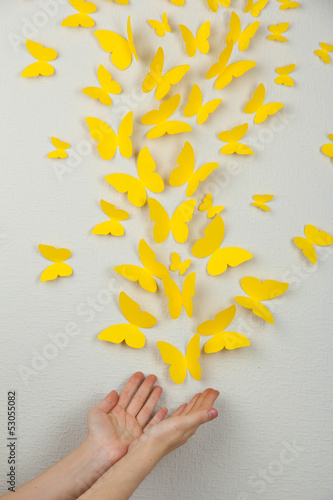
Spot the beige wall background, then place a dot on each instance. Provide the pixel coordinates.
(273, 439)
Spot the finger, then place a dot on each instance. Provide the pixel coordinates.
(158, 417)
(178, 411)
(190, 405)
(194, 420)
(145, 413)
(129, 389)
(209, 399)
(200, 399)
(108, 402)
(141, 395)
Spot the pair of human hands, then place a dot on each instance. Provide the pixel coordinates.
(119, 422)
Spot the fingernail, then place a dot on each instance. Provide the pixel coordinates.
(212, 413)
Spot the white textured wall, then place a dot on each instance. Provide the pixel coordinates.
(277, 391)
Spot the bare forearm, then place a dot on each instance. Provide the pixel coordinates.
(67, 479)
(125, 476)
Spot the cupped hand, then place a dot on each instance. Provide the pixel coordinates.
(174, 431)
(119, 420)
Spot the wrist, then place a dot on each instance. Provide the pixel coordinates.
(149, 446)
(99, 455)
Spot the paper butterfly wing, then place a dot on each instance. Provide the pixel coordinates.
(103, 133)
(124, 135)
(194, 101)
(174, 295)
(203, 34)
(224, 257)
(192, 356)
(200, 175)
(189, 39)
(308, 249)
(159, 215)
(146, 171)
(137, 273)
(256, 307)
(227, 340)
(265, 290)
(180, 217)
(316, 237)
(173, 357)
(234, 70)
(181, 174)
(58, 269)
(188, 294)
(122, 332)
(220, 322)
(44, 54)
(213, 237)
(124, 183)
(131, 311)
(148, 259)
(117, 45)
(248, 33)
(54, 254)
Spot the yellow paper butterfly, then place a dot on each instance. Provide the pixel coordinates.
(44, 55)
(56, 255)
(160, 119)
(113, 225)
(144, 275)
(121, 49)
(312, 237)
(81, 19)
(232, 137)
(200, 41)
(323, 52)
(136, 188)
(261, 199)
(237, 35)
(207, 206)
(108, 85)
(178, 2)
(178, 265)
(214, 4)
(160, 27)
(185, 171)
(284, 79)
(130, 333)
(276, 30)
(162, 82)
(256, 105)
(255, 8)
(177, 298)
(60, 151)
(222, 339)
(327, 149)
(227, 73)
(108, 141)
(258, 291)
(179, 364)
(195, 107)
(287, 4)
(220, 258)
(177, 223)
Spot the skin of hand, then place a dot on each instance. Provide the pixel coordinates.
(112, 426)
(118, 421)
(157, 440)
(174, 431)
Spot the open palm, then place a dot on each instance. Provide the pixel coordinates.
(118, 421)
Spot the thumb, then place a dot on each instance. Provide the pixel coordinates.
(201, 417)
